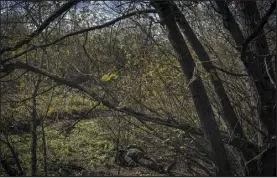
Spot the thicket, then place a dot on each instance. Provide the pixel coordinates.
(192, 83)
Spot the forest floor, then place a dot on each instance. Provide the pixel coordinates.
(104, 164)
(86, 147)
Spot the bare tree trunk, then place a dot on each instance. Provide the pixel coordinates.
(257, 70)
(1, 122)
(197, 89)
(34, 128)
(263, 56)
(252, 18)
(44, 144)
(258, 74)
(228, 111)
(44, 150)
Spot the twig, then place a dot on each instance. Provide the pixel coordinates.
(80, 118)
(193, 78)
(45, 91)
(50, 19)
(230, 73)
(256, 157)
(267, 71)
(142, 116)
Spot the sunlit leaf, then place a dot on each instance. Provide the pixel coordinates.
(108, 77)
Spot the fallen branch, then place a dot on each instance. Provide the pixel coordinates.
(235, 141)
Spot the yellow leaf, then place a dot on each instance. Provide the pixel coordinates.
(51, 110)
(108, 77)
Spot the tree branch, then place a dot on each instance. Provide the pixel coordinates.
(230, 73)
(109, 23)
(93, 95)
(50, 19)
(235, 141)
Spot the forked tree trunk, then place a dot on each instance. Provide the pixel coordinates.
(228, 111)
(197, 89)
(229, 115)
(263, 57)
(258, 73)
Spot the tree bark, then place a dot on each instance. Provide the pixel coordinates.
(197, 89)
